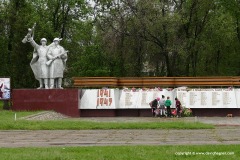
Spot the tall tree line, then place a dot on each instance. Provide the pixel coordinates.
(124, 37)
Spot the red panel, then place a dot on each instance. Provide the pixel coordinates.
(145, 112)
(64, 101)
(116, 113)
(212, 112)
(98, 113)
(127, 112)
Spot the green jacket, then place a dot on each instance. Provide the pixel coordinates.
(168, 102)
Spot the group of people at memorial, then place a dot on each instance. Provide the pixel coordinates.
(48, 62)
(162, 108)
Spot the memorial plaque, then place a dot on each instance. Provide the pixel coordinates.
(183, 97)
(226, 98)
(194, 99)
(144, 98)
(128, 99)
(229, 98)
(204, 99)
(216, 98)
(237, 96)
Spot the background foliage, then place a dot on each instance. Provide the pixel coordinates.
(124, 37)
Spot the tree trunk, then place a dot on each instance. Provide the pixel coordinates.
(168, 64)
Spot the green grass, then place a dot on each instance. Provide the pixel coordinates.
(6, 115)
(1, 105)
(169, 152)
(146, 152)
(8, 122)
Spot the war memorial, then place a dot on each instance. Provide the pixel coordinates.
(128, 97)
(114, 96)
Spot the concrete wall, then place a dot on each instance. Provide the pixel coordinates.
(66, 102)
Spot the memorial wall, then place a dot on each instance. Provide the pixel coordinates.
(140, 98)
(210, 98)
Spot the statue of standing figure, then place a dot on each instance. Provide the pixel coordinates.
(57, 56)
(38, 62)
(48, 62)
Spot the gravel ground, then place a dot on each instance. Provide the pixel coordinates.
(46, 115)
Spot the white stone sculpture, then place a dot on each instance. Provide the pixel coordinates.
(57, 56)
(48, 62)
(38, 62)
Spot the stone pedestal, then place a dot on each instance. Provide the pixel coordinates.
(64, 101)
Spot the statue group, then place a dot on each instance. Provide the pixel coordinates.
(48, 62)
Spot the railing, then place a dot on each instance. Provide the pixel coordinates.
(154, 81)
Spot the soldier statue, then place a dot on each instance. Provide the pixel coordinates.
(48, 62)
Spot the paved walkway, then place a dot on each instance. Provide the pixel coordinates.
(219, 121)
(227, 132)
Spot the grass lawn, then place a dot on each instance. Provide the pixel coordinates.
(8, 122)
(176, 152)
(139, 152)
